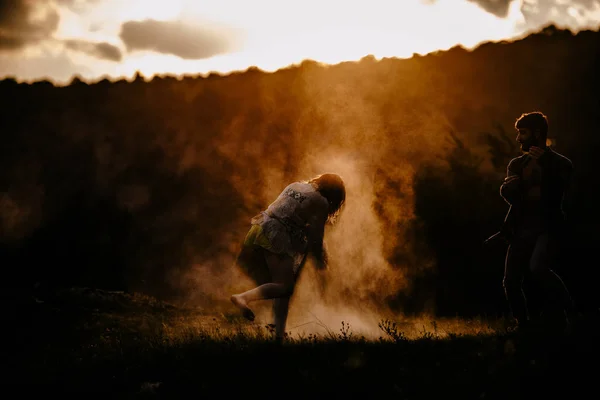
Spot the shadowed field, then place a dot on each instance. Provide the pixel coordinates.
(91, 341)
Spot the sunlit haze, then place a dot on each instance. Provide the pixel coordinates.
(58, 39)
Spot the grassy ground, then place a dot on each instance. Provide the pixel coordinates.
(99, 343)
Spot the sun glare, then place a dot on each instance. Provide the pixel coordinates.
(273, 34)
(342, 31)
(333, 32)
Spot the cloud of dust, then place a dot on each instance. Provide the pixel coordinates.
(362, 277)
(336, 129)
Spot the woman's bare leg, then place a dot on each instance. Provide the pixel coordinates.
(280, 313)
(282, 285)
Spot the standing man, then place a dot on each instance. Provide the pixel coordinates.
(534, 188)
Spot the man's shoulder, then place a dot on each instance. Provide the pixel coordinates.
(561, 159)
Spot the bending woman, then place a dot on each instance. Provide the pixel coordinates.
(281, 238)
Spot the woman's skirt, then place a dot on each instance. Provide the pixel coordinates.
(276, 236)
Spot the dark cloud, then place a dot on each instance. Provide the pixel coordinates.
(104, 51)
(542, 12)
(13, 12)
(538, 12)
(497, 7)
(18, 28)
(171, 37)
(10, 42)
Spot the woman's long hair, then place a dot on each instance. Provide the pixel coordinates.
(331, 186)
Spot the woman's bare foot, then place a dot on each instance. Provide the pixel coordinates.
(239, 302)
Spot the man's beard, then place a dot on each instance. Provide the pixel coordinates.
(525, 146)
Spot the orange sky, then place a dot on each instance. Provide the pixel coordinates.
(93, 38)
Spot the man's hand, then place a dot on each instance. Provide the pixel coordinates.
(536, 152)
(511, 187)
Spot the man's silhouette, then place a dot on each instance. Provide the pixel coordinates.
(534, 188)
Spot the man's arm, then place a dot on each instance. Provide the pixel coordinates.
(511, 188)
